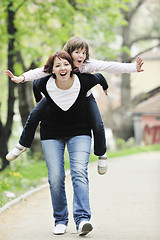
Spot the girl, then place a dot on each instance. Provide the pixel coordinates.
(79, 51)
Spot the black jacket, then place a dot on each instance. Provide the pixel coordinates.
(57, 123)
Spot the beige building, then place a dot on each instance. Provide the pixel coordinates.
(150, 78)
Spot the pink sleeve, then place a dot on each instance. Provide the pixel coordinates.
(34, 74)
(93, 65)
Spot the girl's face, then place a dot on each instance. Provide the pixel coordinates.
(62, 69)
(78, 56)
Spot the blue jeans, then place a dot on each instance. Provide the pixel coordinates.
(94, 118)
(79, 151)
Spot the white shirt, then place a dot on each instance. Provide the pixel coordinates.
(63, 98)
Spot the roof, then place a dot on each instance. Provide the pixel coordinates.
(152, 54)
(149, 106)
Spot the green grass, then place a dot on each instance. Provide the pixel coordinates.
(23, 174)
(27, 172)
(134, 150)
(19, 179)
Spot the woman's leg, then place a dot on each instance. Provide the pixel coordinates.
(97, 126)
(28, 133)
(79, 148)
(54, 156)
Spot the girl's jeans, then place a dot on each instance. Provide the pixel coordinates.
(79, 152)
(31, 125)
(94, 118)
(97, 126)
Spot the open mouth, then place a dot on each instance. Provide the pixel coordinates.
(79, 61)
(63, 74)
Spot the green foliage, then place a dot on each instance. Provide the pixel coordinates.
(108, 17)
(120, 143)
(126, 50)
(44, 26)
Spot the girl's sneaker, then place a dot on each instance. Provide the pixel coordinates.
(102, 165)
(15, 152)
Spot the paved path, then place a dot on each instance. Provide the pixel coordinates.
(125, 205)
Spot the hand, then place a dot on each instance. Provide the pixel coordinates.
(105, 91)
(39, 101)
(13, 77)
(139, 63)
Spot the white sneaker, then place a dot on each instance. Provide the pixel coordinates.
(15, 152)
(59, 229)
(102, 165)
(84, 228)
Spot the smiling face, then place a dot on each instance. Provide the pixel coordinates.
(62, 69)
(78, 56)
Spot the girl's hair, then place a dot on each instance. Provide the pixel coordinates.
(76, 43)
(50, 62)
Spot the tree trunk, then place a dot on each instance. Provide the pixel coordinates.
(125, 84)
(3, 147)
(123, 125)
(25, 100)
(5, 131)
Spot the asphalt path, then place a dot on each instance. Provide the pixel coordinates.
(125, 205)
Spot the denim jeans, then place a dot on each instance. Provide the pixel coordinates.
(79, 152)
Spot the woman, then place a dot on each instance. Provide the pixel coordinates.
(64, 122)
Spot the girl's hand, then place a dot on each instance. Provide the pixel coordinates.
(139, 63)
(14, 78)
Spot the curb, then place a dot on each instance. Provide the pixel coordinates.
(22, 197)
(25, 195)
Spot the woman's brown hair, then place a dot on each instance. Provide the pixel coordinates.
(50, 62)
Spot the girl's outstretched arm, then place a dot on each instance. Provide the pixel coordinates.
(31, 75)
(93, 65)
(14, 78)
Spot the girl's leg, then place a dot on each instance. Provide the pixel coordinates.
(54, 156)
(97, 126)
(31, 125)
(79, 148)
(28, 133)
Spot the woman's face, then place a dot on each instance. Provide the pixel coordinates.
(62, 69)
(78, 56)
